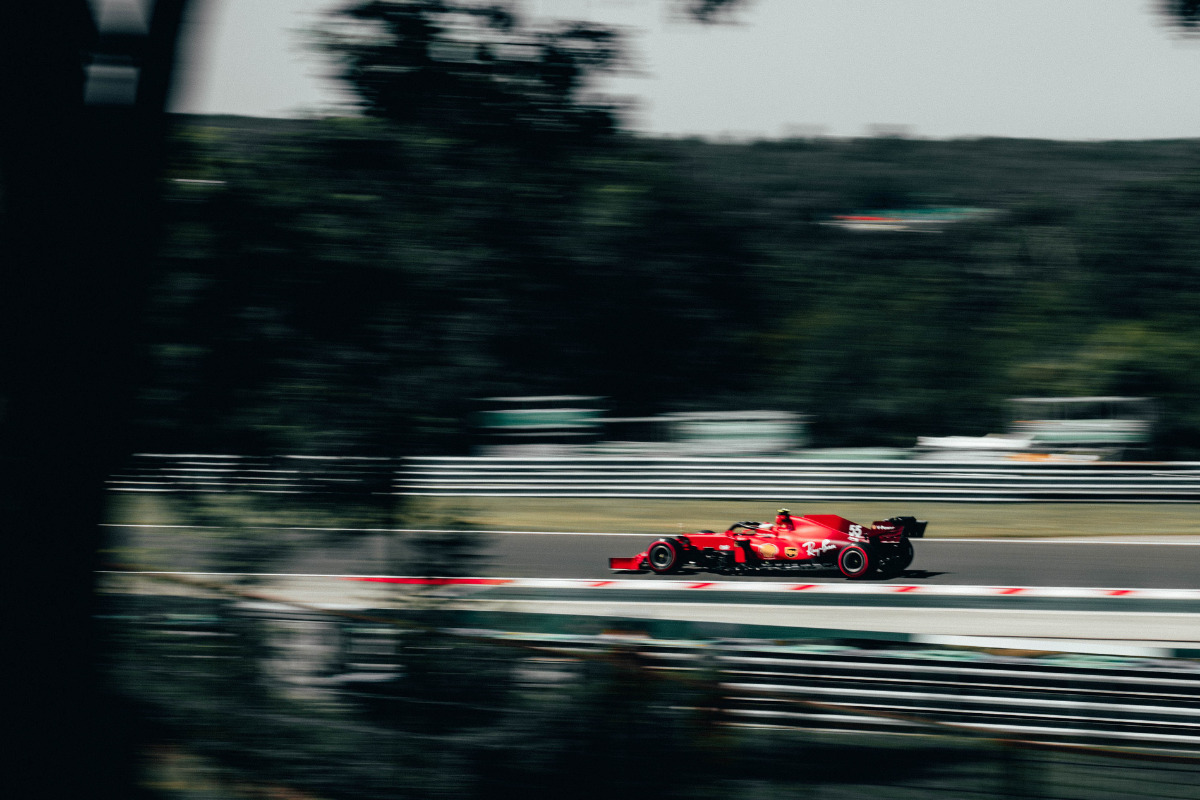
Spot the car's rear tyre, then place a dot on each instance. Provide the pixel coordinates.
(897, 559)
(855, 561)
(665, 556)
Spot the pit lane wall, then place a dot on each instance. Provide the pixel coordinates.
(681, 478)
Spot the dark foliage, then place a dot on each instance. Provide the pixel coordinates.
(1183, 15)
(352, 285)
(476, 70)
(349, 285)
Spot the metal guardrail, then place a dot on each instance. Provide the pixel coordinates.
(1156, 708)
(1088, 701)
(696, 478)
(214, 473)
(801, 479)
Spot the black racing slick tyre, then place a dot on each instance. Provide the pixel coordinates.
(897, 559)
(855, 561)
(665, 556)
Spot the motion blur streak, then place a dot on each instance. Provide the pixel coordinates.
(476, 266)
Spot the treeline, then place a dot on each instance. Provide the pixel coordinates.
(349, 285)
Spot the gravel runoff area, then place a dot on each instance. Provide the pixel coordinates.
(1174, 521)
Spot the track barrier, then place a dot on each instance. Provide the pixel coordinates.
(798, 479)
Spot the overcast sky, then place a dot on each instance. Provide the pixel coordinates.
(1063, 69)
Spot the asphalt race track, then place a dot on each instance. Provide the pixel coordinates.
(316, 573)
(1155, 564)
(1003, 563)
(1158, 562)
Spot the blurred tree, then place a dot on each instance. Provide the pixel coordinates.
(709, 10)
(481, 70)
(476, 70)
(326, 303)
(1183, 15)
(355, 291)
(489, 230)
(1139, 246)
(353, 285)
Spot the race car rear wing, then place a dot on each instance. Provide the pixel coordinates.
(913, 528)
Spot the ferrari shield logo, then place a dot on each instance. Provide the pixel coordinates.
(791, 552)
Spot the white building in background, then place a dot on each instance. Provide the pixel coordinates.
(1055, 429)
(576, 425)
(735, 433)
(538, 425)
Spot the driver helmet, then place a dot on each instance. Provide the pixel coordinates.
(783, 511)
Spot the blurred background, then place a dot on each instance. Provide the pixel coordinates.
(289, 283)
(890, 218)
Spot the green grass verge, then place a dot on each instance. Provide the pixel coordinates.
(946, 520)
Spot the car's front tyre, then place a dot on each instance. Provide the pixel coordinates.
(665, 556)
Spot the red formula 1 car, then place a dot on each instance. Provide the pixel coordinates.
(813, 542)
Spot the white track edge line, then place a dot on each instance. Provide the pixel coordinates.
(942, 590)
